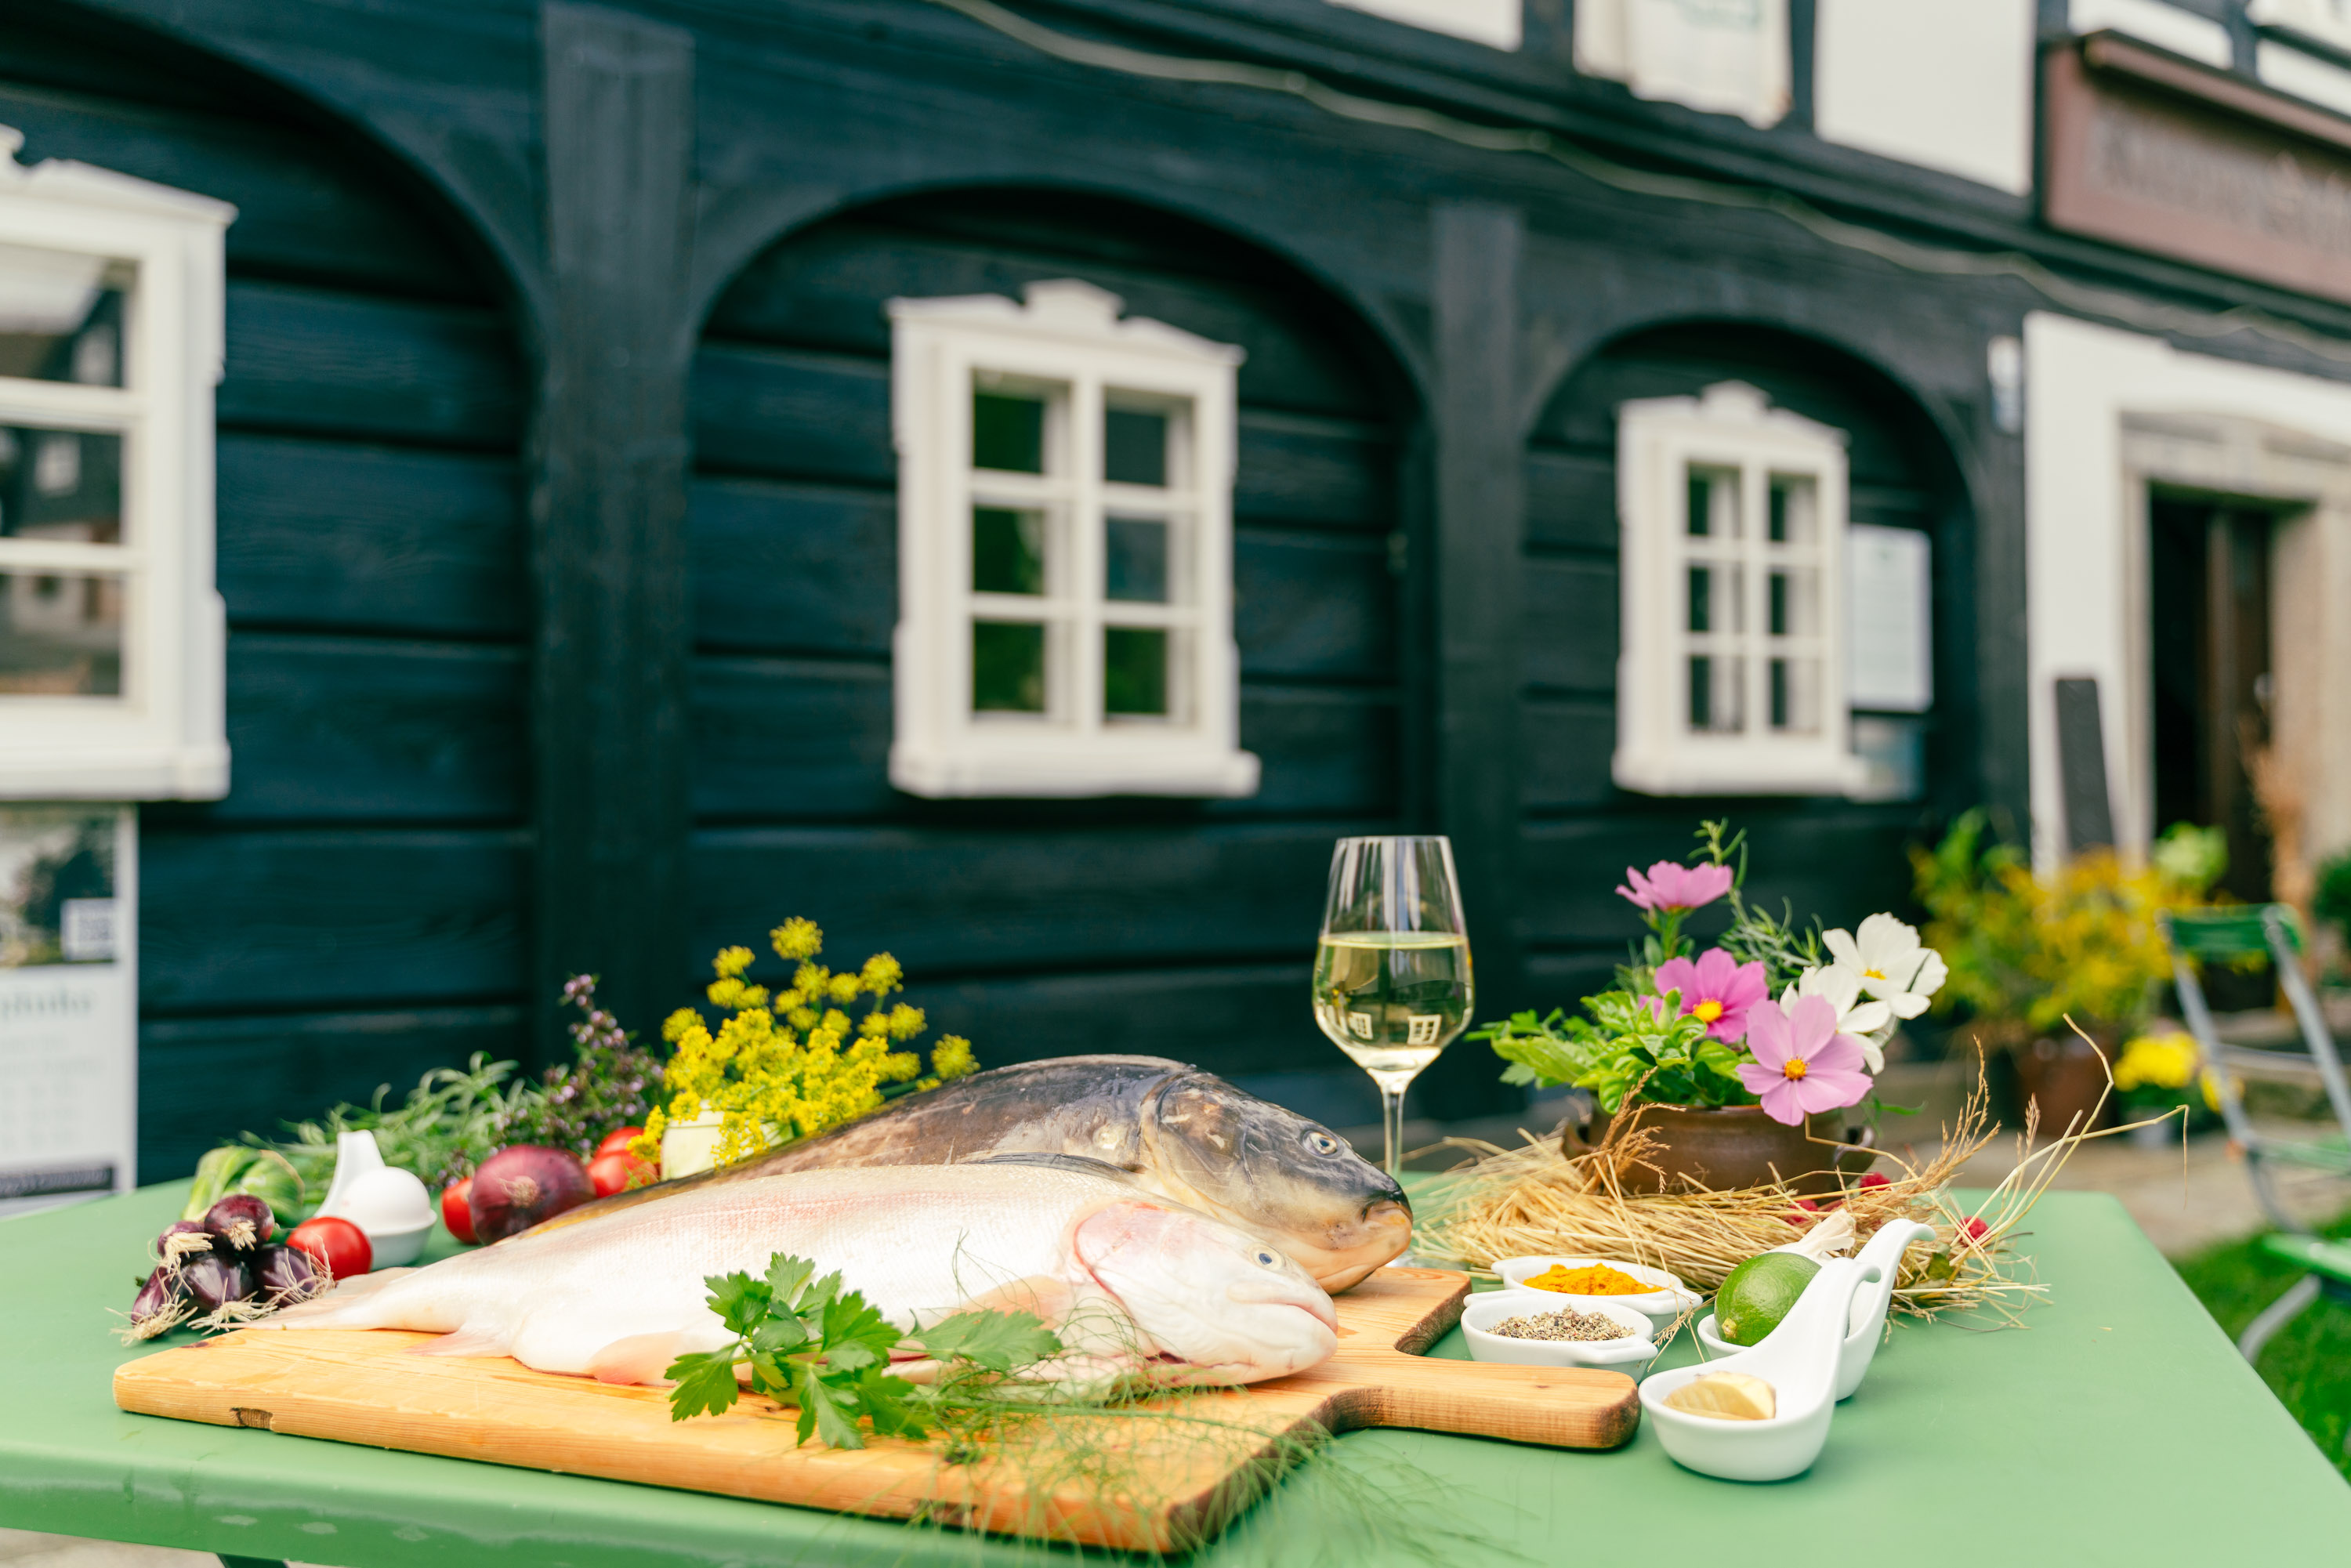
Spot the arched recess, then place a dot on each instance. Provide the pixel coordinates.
(1840, 858)
(1171, 926)
(352, 912)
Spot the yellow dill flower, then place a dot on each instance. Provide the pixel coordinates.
(951, 1058)
(834, 1022)
(881, 975)
(674, 1027)
(900, 1065)
(845, 987)
(731, 962)
(802, 1018)
(876, 1024)
(906, 1022)
(797, 938)
(724, 993)
(813, 981)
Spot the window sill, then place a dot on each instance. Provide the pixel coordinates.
(1740, 770)
(1036, 771)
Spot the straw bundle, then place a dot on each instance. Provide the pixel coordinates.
(1535, 1201)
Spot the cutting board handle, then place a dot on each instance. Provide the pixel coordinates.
(1561, 1407)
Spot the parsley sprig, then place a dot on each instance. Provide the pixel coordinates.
(810, 1343)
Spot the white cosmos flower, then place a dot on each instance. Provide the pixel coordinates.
(1871, 1022)
(1886, 954)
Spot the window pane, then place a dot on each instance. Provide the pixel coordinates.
(1792, 509)
(1135, 559)
(60, 634)
(1008, 551)
(1134, 446)
(1714, 598)
(1008, 433)
(60, 485)
(1134, 670)
(1716, 689)
(1795, 603)
(1007, 667)
(1713, 504)
(1795, 695)
(61, 316)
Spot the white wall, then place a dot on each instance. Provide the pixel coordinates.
(1494, 22)
(1943, 83)
(2086, 529)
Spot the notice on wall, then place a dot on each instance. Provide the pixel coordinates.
(1890, 628)
(68, 1053)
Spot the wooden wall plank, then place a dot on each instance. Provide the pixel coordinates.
(1225, 1019)
(1838, 859)
(803, 740)
(1481, 526)
(326, 918)
(1565, 748)
(307, 360)
(610, 722)
(1571, 499)
(302, 213)
(330, 535)
(1307, 605)
(793, 568)
(954, 900)
(1570, 610)
(203, 1081)
(822, 292)
(334, 728)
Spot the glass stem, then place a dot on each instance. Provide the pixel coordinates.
(1392, 1117)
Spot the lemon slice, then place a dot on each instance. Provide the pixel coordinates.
(1726, 1396)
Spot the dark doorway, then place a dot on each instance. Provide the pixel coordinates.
(2209, 600)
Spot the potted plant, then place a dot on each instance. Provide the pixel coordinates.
(2029, 951)
(1738, 1060)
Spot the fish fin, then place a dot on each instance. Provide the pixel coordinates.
(1082, 1164)
(1041, 1294)
(639, 1358)
(468, 1341)
(346, 1305)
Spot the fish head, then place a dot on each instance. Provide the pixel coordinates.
(1215, 1302)
(1271, 1171)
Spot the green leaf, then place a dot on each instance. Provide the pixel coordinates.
(821, 1413)
(998, 1342)
(785, 1275)
(706, 1382)
(739, 1300)
(856, 1334)
(779, 1335)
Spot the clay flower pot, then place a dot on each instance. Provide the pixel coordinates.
(2065, 1078)
(1730, 1147)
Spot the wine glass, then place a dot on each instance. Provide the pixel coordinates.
(1392, 981)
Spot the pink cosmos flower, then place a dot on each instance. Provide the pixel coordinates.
(1802, 1063)
(1718, 988)
(1672, 886)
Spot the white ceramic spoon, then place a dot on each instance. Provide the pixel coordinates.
(1869, 1306)
(1799, 1359)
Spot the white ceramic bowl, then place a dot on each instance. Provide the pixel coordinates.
(392, 1248)
(1490, 1307)
(1669, 1301)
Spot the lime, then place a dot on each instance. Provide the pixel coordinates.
(1759, 1294)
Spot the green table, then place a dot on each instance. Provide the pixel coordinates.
(2120, 1427)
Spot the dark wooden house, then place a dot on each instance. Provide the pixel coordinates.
(558, 513)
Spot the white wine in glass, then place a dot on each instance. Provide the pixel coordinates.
(1392, 978)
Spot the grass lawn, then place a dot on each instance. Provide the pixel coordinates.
(2308, 1363)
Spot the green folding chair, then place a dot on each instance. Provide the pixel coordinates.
(2227, 935)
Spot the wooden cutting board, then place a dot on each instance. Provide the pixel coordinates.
(1200, 1466)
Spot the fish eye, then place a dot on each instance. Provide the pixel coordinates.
(1321, 1142)
(1265, 1259)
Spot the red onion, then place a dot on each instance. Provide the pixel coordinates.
(517, 1187)
(283, 1274)
(241, 1219)
(214, 1280)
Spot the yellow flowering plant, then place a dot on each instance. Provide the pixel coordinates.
(789, 1064)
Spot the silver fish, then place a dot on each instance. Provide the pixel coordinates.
(1181, 1132)
(1134, 1285)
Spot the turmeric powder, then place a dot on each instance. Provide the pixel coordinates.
(1593, 1279)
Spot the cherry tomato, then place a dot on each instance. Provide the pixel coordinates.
(336, 1243)
(618, 1172)
(457, 1209)
(617, 1142)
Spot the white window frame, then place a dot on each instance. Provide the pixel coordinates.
(1066, 336)
(164, 736)
(1729, 427)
